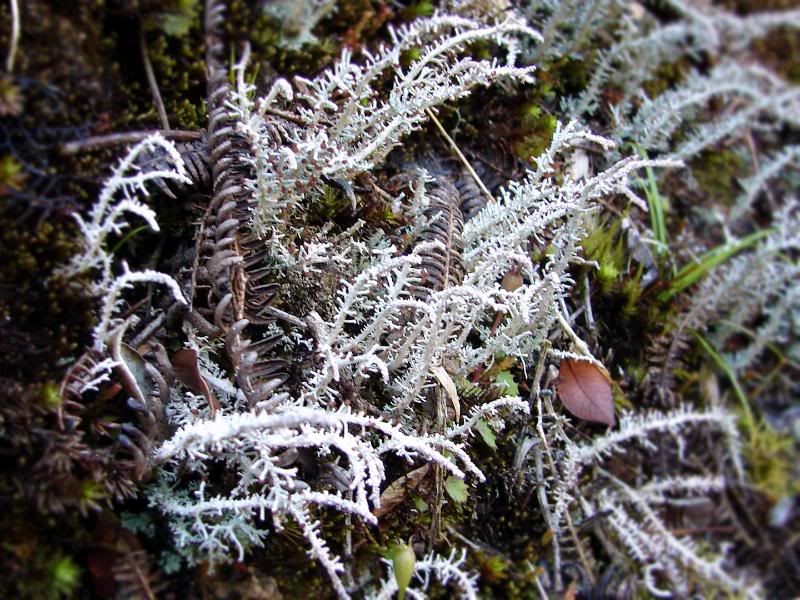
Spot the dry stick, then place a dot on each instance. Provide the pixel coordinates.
(579, 546)
(128, 137)
(751, 146)
(284, 316)
(147, 331)
(461, 156)
(13, 42)
(151, 79)
(574, 534)
(537, 392)
(285, 115)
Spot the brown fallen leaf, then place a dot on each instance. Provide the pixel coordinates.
(184, 365)
(444, 379)
(585, 391)
(397, 492)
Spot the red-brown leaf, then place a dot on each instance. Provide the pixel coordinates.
(585, 391)
(187, 371)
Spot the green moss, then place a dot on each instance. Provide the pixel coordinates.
(64, 577)
(771, 461)
(537, 131)
(38, 555)
(409, 56)
(421, 8)
(717, 172)
(45, 318)
(50, 396)
(12, 176)
(180, 73)
(667, 75)
(605, 245)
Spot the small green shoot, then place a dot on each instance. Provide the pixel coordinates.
(655, 205)
(128, 236)
(403, 561)
(486, 433)
(456, 489)
(506, 384)
(748, 421)
(65, 577)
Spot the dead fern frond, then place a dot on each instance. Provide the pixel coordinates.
(136, 578)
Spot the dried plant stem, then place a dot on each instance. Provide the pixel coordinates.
(579, 546)
(285, 115)
(461, 156)
(151, 80)
(284, 316)
(13, 42)
(128, 137)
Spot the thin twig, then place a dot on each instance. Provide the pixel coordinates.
(151, 79)
(580, 345)
(751, 146)
(285, 115)
(148, 331)
(464, 540)
(128, 137)
(13, 42)
(461, 156)
(284, 316)
(579, 546)
(588, 303)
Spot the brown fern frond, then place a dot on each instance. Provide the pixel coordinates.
(231, 265)
(195, 160)
(667, 351)
(136, 578)
(442, 266)
(495, 166)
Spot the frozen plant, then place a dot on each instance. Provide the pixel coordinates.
(382, 327)
(298, 19)
(753, 298)
(341, 123)
(645, 44)
(261, 449)
(773, 167)
(546, 213)
(567, 25)
(119, 197)
(448, 571)
(633, 512)
(633, 515)
(763, 99)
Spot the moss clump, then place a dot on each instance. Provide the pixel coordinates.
(179, 67)
(44, 318)
(666, 76)
(772, 466)
(717, 173)
(537, 127)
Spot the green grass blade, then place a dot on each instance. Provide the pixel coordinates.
(655, 204)
(691, 273)
(722, 364)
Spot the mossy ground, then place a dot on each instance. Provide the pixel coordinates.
(80, 73)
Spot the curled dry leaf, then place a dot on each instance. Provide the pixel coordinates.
(443, 377)
(187, 371)
(397, 492)
(133, 374)
(585, 391)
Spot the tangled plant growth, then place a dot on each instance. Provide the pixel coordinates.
(356, 326)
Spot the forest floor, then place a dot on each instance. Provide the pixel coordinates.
(75, 515)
